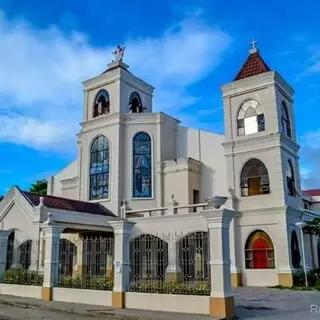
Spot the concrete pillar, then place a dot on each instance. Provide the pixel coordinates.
(4, 234)
(221, 303)
(51, 259)
(173, 271)
(34, 258)
(122, 230)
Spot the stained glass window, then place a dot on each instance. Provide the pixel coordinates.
(99, 169)
(142, 172)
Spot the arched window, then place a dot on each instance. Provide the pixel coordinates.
(286, 128)
(254, 179)
(259, 251)
(142, 167)
(99, 169)
(148, 259)
(194, 256)
(250, 118)
(290, 180)
(295, 252)
(101, 103)
(135, 105)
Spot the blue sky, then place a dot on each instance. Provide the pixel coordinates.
(186, 51)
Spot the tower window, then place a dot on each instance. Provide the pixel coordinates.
(285, 122)
(250, 118)
(101, 103)
(290, 180)
(254, 179)
(135, 105)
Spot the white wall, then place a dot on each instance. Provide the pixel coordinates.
(168, 302)
(207, 148)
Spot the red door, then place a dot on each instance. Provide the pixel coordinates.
(260, 254)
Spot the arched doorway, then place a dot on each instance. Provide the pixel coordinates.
(259, 251)
(194, 256)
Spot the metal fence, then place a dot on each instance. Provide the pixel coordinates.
(22, 262)
(152, 258)
(86, 263)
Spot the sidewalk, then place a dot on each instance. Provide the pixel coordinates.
(16, 308)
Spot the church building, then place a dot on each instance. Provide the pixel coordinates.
(144, 166)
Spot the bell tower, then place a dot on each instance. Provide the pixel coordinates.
(116, 90)
(112, 101)
(260, 148)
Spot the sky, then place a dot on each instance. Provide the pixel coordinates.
(185, 49)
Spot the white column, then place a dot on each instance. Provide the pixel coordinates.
(173, 270)
(4, 234)
(222, 298)
(35, 255)
(122, 230)
(51, 259)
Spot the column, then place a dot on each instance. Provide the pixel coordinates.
(173, 271)
(236, 275)
(35, 255)
(221, 304)
(4, 234)
(122, 230)
(51, 259)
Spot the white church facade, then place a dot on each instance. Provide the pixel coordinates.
(144, 167)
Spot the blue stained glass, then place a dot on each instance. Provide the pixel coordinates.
(142, 167)
(99, 169)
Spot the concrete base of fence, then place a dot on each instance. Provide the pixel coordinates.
(46, 294)
(222, 307)
(236, 279)
(86, 296)
(285, 279)
(21, 290)
(173, 276)
(168, 302)
(118, 300)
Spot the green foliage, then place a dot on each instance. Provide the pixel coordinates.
(95, 283)
(313, 278)
(198, 288)
(23, 277)
(313, 227)
(39, 187)
(1, 197)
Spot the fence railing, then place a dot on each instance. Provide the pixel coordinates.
(86, 263)
(22, 262)
(170, 264)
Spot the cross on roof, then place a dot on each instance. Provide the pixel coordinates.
(253, 44)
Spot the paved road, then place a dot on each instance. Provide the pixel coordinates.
(273, 304)
(252, 304)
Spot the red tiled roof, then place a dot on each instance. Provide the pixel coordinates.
(311, 192)
(253, 65)
(67, 204)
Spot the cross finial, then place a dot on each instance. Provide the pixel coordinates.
(253, 44)
(253, 48)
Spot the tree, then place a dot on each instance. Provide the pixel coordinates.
(1, 197)
(39, 187)
(313, 227)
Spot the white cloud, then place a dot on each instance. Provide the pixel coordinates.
(42, 71)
